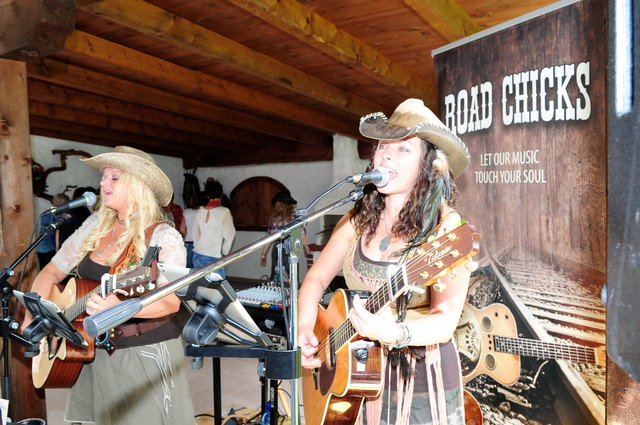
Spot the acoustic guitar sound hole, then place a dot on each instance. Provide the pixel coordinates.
(490, 361)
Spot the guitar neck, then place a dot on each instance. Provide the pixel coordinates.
(544, 350)
(420, 267)
(79, 307)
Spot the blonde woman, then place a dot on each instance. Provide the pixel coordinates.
(138, 375)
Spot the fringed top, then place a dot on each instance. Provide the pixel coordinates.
(362, 273)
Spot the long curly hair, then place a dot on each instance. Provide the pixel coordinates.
(143, 211)
(421, 213)
(282, 214)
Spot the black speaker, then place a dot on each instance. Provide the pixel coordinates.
(623, 265)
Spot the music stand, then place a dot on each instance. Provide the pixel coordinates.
(216, 312)
(47, 319)
(218, 315)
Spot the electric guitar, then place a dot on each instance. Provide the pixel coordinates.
(351, 366)
(58, 364)
(488, 343)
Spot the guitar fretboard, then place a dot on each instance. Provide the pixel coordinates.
(72, 312)
(546, 350)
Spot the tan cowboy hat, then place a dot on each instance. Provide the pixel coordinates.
(139, 164)
(413, 118)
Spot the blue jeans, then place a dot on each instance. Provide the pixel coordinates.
(189, 248)
(200, 260)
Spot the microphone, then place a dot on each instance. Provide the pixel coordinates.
(86, 200)
(378, 176)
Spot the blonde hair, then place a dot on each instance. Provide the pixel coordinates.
(143, 211)
(283, 213)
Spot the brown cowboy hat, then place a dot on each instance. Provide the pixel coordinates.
(139, 164)
(413, 118)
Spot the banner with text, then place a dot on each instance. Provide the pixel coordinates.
(529, 101)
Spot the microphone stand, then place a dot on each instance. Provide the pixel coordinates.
(101, 322)
(9, 326)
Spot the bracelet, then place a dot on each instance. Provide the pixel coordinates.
(405, 336)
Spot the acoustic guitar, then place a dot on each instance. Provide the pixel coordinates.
(351, 365)
(472, 410)
(58, 364)
(488, 344)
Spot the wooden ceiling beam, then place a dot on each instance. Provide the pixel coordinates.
(62, 134)
(119, 137)
(100, 52)
(297, 20)
(193, 156)
(109, 123)
(446, 17)
(158, 23)
(188, 127)
(67, 75)
(317, 153)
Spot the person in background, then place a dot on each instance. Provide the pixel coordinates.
(213, 229)
(80, 214)
(138, 375)
(66, 227)
(189, 216)
(75, 217)
(173, 212)
(47, 247)
(422, 376)
(283, 213)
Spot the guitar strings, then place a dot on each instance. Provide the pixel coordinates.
(81, 305)
(346, 330)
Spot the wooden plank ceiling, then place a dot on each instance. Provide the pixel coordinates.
(244, 81)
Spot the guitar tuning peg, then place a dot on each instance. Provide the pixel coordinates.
(471, 265)
(454, 276)
(439, 286)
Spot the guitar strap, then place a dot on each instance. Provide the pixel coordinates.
(129, 258)
(126, 259)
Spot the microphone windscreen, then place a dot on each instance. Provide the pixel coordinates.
(90, 197)
(385, 176)
(113, 316)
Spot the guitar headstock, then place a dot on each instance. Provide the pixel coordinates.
(134, 281)
(425, 264)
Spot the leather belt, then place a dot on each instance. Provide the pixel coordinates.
(137, 329)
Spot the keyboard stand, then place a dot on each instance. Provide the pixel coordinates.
(278, 365)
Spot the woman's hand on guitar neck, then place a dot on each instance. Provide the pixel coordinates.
(96, 304)
(377, 327)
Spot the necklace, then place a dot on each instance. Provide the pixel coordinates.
(102, 251)
(384, 242)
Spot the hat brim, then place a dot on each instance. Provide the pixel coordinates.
(375, 126)
(138, 166)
